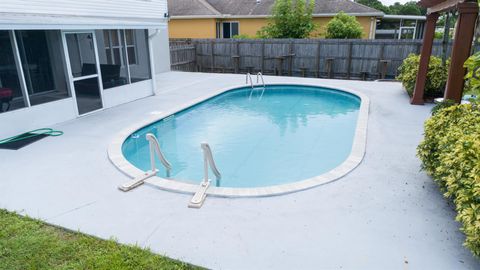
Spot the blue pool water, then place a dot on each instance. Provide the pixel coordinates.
(290, 133)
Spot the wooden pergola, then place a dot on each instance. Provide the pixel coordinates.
(465, 28)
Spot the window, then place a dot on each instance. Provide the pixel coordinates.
(11, 94)
(140, 68)
(112, 57)
(124, 56)
(228, 29)
(131, 47)
(41, 54)
(111, 41)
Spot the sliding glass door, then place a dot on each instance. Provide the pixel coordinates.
(84, 70)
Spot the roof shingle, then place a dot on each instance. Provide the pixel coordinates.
(251, 8)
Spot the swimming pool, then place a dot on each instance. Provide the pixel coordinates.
(277, 137)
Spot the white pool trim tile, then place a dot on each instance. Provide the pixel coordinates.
(354, 159)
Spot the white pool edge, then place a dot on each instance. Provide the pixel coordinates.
(354, 159)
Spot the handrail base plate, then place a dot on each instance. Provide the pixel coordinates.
(200, 196)
(137, 181)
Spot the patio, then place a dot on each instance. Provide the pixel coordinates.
(386, 214)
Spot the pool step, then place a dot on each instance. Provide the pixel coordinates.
(200, 195)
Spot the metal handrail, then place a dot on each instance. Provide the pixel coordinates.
(251, 80)
(155, 147)
(208, 160)
(260, 75)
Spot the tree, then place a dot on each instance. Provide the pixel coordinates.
(344, 26)
(409, 8)
(290, 19)
(375, 4)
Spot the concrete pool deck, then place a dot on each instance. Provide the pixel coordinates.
(385, 214)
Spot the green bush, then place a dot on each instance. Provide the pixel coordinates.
(343, 26)
(472, 83)
(442, 105)
(436, 76)
(450, 153)
(243, 36)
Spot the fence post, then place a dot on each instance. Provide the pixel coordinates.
(384, 68)
(194, 56)
(212, 43)
(291, 55)
(263, 57)
(237, 48)
(349, 60)
(303, 71)
(279, 62)
(318, 59)
(236, 64)
(236, 58)
(329, 62)
(381, 66)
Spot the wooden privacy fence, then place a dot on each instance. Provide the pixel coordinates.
(183, 57)
(321, 58)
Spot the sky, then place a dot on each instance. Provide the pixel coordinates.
(390, 2)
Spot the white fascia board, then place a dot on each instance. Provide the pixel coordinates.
(405, 17)
(228, 16)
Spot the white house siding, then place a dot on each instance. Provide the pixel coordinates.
(70, 15)
(132, 9)
(44, 115)
(126, 93)
(160, 49)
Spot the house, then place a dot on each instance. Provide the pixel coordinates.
(62, 59)
(227, 18)
(400, 27)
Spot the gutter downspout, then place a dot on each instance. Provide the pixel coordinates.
(372, 27)
(152, 63)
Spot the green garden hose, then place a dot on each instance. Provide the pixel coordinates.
(31, 134)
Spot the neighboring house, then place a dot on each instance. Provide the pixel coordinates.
(400, 27)
(61, 59)
(227, 18)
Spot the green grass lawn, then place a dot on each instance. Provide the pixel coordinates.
(26, 243)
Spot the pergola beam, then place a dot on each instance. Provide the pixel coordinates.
(465, 28)
(444, 6)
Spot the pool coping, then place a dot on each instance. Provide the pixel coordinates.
(357, 153)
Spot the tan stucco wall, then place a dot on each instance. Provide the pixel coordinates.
(205, 28)
(192, 28)
(249, 26)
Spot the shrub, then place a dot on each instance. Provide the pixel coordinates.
(344, 26)
(243, 36)
(472, 83)
(436, 76)
(450, 153)
(442, 105)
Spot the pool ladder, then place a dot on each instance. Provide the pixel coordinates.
(249, 79)
(208, 163)
(154, 146)
(154, 149)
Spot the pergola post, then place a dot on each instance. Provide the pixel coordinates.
(467, 16)
(428, 37)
